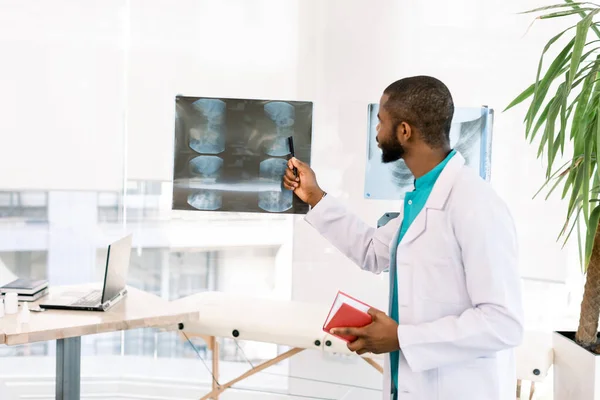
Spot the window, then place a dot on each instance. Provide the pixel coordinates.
(172, 257)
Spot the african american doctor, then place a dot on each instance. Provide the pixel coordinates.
(455, 313)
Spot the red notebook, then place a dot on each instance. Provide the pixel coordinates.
(346, 312)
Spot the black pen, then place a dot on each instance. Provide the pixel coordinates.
(291, 144)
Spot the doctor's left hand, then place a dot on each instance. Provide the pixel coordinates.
(380, 336)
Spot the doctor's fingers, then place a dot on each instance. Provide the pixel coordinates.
(289, 174)
(290, 184)
(358, 346)
(349, 331)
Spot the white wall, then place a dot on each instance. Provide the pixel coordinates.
(61, 94)
(79, 67)
(234, 48)
(249, 271)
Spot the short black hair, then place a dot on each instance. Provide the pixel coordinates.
(425, 103)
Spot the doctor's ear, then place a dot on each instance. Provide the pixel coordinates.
(403, 132)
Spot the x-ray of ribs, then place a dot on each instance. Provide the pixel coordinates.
(401, 175)
(470, 133)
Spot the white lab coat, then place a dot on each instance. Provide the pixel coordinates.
(459, 293)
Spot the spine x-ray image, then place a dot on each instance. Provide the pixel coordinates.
(231, 154)
(470, 135)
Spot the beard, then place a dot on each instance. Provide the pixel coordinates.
(391, 151)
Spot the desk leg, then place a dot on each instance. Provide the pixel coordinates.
(68, 368)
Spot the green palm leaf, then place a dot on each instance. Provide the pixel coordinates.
(564, 104)
(555, 6)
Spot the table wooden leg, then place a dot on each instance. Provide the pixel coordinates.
(214, 344)
(374, 364)
(215, 392)
(518, 389)
(531, 390)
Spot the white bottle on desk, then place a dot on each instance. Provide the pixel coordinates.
(11, 304)
(24, 314)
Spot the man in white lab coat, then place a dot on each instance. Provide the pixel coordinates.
(455, 312)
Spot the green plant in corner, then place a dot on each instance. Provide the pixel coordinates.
(564, 105)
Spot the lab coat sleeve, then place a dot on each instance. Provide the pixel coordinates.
(486, 235)
(367, 246)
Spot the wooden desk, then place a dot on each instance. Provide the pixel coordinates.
(138, 309)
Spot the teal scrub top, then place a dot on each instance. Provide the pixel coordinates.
(413, 204)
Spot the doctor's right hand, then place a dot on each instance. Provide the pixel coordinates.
(304, 185)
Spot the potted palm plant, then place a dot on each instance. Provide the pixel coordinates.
(564, 109)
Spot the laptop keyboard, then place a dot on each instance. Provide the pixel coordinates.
(91, 299)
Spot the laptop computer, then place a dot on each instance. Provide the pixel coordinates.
(113, 290)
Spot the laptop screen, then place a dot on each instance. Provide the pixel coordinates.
(117, 266)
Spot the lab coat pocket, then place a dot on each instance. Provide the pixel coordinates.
(474, 379)
(436, 280)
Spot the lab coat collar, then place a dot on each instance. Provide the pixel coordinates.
(437, 198)
(429, 179)
(443, 185)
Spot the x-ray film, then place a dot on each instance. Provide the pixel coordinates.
(231, 154)
(470, 135)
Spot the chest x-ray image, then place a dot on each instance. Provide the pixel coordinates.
(470, 135)
(231, 154)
